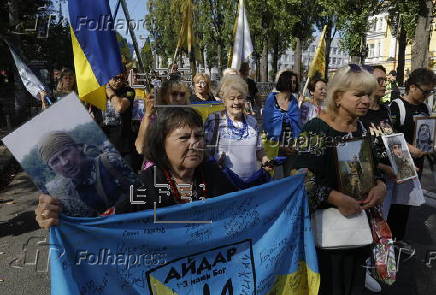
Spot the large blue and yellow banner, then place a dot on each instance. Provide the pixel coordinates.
(256, 241)
(97, 55)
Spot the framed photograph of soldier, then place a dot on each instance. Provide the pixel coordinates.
(138, 109)
(69, 157)
(355, 168)
(399, 156)
(425, 133)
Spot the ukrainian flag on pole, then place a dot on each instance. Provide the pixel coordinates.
(318, 62)
(97, 55)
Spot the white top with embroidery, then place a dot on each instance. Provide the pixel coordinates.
(240, 150)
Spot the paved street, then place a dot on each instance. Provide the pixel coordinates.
(21, 242)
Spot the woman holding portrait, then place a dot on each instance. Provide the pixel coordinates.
(175, 150)
(348, 97)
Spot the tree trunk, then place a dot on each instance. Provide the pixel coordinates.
(422, 37)
(264, 63)
(328, 46)
(220, 64)
(22, 102)
(402, 43)
(298, 58)
(275, 56)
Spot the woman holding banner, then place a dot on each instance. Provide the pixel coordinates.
(342, 268)
(177, 171)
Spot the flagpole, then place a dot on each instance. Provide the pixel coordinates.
(135, 43)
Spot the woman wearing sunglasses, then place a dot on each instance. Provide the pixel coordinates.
(419, 86)
(172, 92)
(342, 270)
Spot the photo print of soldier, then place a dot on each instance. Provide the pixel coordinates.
(356, 168)
(399, 156)
(425, 134)
(68, 157)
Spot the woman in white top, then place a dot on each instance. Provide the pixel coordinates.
(318, 91)
(232, 136)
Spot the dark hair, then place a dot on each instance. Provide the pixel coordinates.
(167, 120)
(245, 66)
(380, 67)
(393, 73)
(312, 83)
(420, 77)
(284, 81)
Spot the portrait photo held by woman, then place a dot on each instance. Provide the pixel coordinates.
(72, 161)
(425, 132)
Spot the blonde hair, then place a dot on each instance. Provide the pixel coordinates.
(233, 82)
(202, 76)
(344, 80)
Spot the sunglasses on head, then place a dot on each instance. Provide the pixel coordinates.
(357, 69)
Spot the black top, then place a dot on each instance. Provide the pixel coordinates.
(412, 110)
(216, 184)
(320, 160)
(195, 99)
(252, 90)
(118, 126)
(378, 123)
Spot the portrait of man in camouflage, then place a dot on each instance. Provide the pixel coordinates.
(88, 179)
(402, 162)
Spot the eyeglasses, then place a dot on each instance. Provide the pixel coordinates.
(201, 83)
(178, 93)
(381, 81)
(425, 92)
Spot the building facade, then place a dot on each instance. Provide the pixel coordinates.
(338, 57)
(383, 46)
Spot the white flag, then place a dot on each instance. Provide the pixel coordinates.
(242, 46)
(30, 81)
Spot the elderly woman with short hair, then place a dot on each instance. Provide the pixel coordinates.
(175, 151)
(235, 136)
(202, 92)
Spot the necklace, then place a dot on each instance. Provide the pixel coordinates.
(239, 132)
(194, 193)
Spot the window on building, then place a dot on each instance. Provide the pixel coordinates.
(379, 49)
(380, 24)
(334, 60)
(371, 50)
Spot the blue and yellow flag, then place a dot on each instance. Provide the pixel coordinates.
(205, 109)
(256, 241)
(97, 55)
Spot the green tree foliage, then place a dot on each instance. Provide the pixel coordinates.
(147, 55)
(126, 54)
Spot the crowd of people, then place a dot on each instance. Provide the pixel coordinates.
(175, 147)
